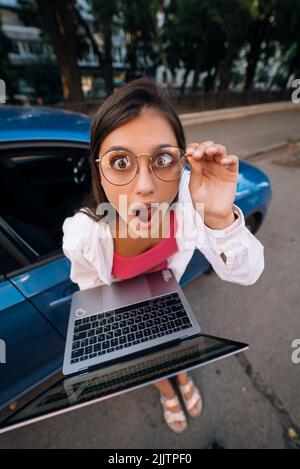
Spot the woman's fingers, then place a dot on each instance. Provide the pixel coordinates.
(231, 162)
(193, 147)
(197, 151)
(210, 151)
(216, 152)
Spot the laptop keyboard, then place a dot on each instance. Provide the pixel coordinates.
(120, 328)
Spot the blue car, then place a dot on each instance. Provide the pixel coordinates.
(44, 173)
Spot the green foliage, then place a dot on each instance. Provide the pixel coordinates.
(207, 37)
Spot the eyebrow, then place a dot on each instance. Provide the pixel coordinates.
(118, 147)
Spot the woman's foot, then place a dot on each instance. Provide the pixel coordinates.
(191, 397)
(173, 413)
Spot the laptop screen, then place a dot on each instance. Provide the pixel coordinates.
(60, 394)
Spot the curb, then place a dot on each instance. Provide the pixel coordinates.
(271, 147)
(265, 149)
(236, 112)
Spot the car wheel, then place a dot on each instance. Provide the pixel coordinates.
(252, 224)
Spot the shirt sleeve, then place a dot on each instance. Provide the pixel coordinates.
(244, 252)
(76, 238)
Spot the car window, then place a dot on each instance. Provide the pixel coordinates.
(39, 188)
(7, 262)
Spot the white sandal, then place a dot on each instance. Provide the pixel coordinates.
(195, 401)
(173, 419)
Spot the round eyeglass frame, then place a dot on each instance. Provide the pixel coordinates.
(151, 156)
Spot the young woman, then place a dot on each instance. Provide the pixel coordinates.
(138, 155)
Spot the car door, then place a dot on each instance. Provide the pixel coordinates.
(33, 348)
(40, 185)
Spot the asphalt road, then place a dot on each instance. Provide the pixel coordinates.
(251, 400)
(250, 134)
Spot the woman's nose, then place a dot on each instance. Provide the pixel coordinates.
(144, 178)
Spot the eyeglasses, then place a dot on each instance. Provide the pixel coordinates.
(120, 167)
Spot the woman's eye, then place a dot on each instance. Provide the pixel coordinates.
(163, 159)
(120, 163)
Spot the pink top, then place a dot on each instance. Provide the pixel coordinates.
(152, 260)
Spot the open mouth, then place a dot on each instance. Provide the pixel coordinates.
(144, 215)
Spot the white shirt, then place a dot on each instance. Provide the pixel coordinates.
(90, 246)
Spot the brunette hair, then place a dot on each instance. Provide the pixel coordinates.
(122, 105)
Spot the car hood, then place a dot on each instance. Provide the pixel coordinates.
(33, 123)
(251, 179)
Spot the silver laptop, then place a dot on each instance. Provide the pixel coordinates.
(57, 394)
(170, 343)
(125, 320)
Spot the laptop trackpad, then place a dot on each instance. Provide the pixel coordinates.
(122, 293)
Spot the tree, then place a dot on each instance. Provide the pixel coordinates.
(144, 46)
(237, 18)
(59, 19)
(260, 35)
(287, 33)
(196, 38)
(104, 13)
